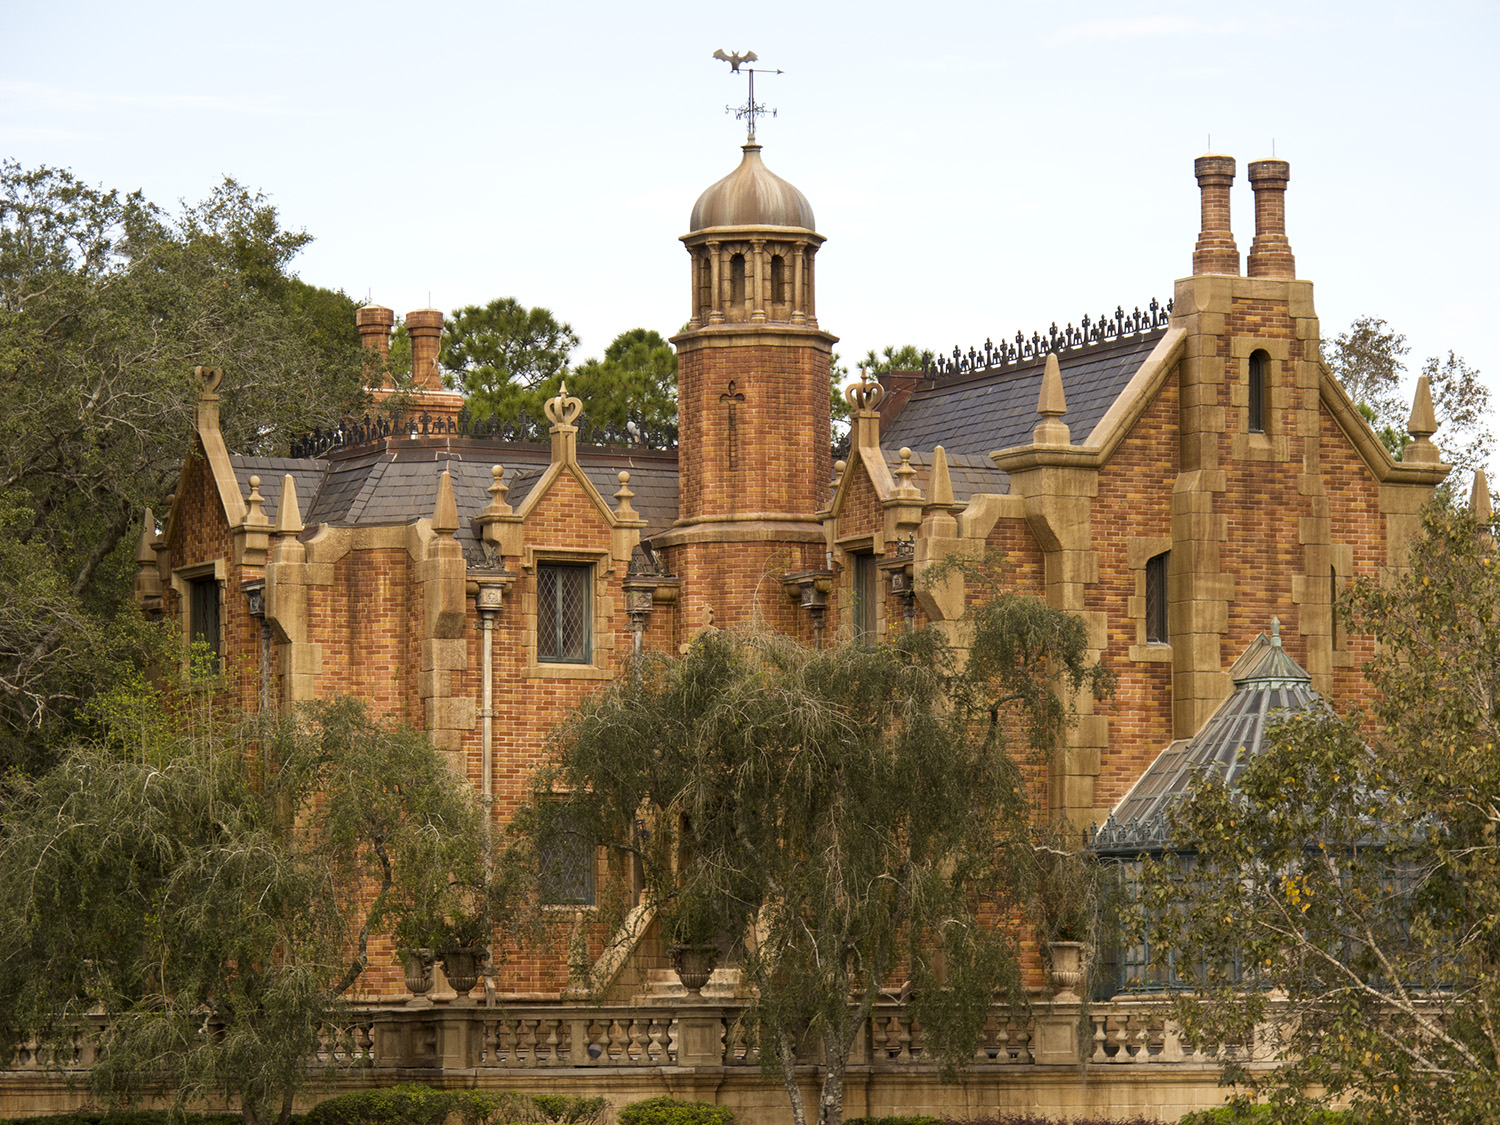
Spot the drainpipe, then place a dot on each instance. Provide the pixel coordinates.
(488, 602)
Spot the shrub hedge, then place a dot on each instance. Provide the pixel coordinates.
(670, 1111)
(1238, 1113)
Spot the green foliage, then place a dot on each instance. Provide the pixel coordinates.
(813, 793)
(106, 304)
(1345, 896)
(670, 1111)
(127, 1117)
(176, 874)
(423, 1105)
(636, 381)
(1368, 359)
(917, 1119)
(502, 356)
(907, 357)
(1242, 1112)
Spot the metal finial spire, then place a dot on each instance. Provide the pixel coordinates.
(751, 109)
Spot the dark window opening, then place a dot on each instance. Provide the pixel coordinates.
(1336, 627)
(865, 595)
(1259, 363)
(203, 616)
(1156, 599)
(567, 865)
(737, 279)
(564, 607)
(779, 286)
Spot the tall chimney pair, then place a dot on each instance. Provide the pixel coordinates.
(1271, 252)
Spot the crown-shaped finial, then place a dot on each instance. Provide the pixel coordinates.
(864, 393)
(563, 410)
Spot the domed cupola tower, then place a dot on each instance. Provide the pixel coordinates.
(752, 396)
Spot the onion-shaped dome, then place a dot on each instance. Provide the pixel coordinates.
(752, 196)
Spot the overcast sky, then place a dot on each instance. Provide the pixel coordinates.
(977, 168)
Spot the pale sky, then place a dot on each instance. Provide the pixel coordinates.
(976, 168)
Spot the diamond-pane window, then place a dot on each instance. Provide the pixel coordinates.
(564, 605)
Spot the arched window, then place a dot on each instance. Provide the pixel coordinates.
(780, 288)
(1260, 364)
(737, 279)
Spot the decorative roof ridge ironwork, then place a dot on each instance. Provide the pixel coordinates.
(381, 427)
(1106, 329)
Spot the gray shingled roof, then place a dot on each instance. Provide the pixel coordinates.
(968, 475)
(307, 475)
(1266, 680)
(978, 413)
(381, 485)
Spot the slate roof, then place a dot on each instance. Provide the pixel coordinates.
(968, 475)
(1266, 680)
(977, 413)
(387, 483)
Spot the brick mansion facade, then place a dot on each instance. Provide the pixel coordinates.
(1176, 477)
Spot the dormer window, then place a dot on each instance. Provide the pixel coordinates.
(1260, 364)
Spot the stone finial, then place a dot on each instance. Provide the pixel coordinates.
(255, 516)
(838, 473)
(562, 411)
(1215, 251)
(905, 473)
(865, 393)
(940, 486)
(1051, 404)
(445, 510)
(1276, 631)
(497, 490)
(145, 546)
(1479, 499)
(288, 511)
(1422, 425)
(1270, 252)
(623, 510)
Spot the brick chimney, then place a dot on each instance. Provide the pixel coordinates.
(1215, 251)
(425, 327)
(1270, 253)
(375, 323)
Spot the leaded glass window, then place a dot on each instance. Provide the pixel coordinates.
(564, 608)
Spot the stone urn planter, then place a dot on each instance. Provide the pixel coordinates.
(1067, 969)
(694, 965)
(417, 964)
(462, 967)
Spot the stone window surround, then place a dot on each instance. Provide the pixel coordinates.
(182, 579)
(844, 551)
(601, 640)
(1139, 550)
(1274, 443)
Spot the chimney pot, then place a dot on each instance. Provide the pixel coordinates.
(1215, 251)
(1271, 252)
(425, 327)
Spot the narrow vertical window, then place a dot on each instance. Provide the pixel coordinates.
(567, 862)
(779, 286)
(203, 616)
(1335, 626)
(1259, 362)
(564, 607)
(865, 586)
(737, 279)
(1156, 599)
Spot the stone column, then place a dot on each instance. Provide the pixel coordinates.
(715, 285)
(758, 280)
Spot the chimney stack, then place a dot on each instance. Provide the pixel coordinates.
(1270, 253)
(1215, 251)
(425, 327)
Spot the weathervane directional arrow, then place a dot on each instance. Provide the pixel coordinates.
(751, 109)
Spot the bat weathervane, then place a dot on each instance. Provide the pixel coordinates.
(751, 109)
